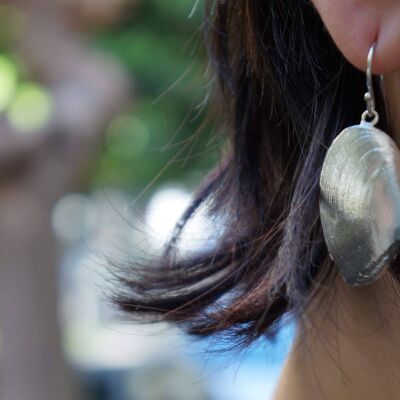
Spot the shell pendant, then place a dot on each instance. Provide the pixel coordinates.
(360, 202)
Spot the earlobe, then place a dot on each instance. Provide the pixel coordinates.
(356, 25)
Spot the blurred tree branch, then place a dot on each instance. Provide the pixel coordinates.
(35, 171)
(96, 13)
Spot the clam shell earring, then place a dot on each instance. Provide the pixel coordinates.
(360, 197)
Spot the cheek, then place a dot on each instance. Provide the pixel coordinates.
(355, 25)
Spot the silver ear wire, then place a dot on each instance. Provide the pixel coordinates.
(369, 96)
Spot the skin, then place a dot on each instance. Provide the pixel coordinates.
(355, 24)
(347, 346)
(348, 342)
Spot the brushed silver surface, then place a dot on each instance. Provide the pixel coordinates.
(360, 202)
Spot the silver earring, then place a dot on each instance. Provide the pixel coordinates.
(360, 197)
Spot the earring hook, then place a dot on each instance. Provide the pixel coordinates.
(369, 96)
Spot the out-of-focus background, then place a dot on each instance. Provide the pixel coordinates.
(102, 141)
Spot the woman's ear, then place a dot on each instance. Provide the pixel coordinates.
(356, 24)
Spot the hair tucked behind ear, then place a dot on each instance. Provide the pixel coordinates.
(285, 93)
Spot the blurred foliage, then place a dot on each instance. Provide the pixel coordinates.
(8, 81)
(11, 20)
(26, 104)
(162, 136)
(31, 108)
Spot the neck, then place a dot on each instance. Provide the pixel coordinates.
(347, 345)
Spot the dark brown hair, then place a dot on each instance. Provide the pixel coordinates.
(285, 92)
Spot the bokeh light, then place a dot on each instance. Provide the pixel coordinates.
(8, 81)
(74, 217)
(30, 109)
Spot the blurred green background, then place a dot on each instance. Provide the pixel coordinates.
(162, 127)
(161, 48)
